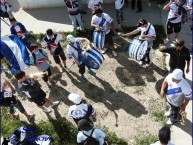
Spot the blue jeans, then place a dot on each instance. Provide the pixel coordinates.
(74, 19)
(119, 15)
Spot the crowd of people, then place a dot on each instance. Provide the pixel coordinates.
(174, 87)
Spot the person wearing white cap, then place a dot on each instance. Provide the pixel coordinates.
(73, 51)
(80, 110)
(178, 94)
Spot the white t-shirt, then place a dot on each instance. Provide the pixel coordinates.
(95, 4)
(119, 4)
(98, 134)
(158, 143)
(176, 93)
(72, 52)
(103, 21)
(151, 32)
(79, 111)
(173, 13)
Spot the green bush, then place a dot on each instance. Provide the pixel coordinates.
(62, 131)
(146, 140)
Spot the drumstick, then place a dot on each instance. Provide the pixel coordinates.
(68, 68)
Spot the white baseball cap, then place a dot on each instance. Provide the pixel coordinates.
(177, 74)
(75, 98)
(71, 38)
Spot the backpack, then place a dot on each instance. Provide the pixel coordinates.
(34, 56)
(7, 101)
(90, 140)
(88, 114)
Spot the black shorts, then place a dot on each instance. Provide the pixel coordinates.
(81, 68)
(57, 57)
(176, 27)
(45, 76)
(40, 99)
(109, 39)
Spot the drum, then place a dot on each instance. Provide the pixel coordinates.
(99, 39)
(137, 48)
(92, 58)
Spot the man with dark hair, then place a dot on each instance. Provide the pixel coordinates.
(179, 56)
(52, 42)
(74, 13)
(164, 136)
(174, 18)
(147, 33)
(19, 30)
(32, 89)
(89, 131)
(102, 21)
(39, 58)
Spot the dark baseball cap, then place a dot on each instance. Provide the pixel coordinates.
(179, 43)
(141, 22)
(98, 11)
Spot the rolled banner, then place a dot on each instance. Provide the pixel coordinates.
(137, 48)
(99, 39)
(91, 58)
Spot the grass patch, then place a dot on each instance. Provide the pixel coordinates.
(157, 110)
(62, 131)
(146, 140)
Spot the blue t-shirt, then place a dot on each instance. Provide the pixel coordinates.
(41, 61)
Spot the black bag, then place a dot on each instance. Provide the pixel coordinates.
(7, 101)
(88, 114)
(90, 140)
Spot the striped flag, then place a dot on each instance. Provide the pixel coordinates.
(15, 52)
(99, 39)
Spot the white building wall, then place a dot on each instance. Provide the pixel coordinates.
(28, 4)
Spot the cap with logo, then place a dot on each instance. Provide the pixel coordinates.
(141, 22)
(179, 43)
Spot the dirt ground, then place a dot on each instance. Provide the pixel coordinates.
(122, 93)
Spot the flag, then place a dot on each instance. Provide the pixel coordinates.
(15, 52)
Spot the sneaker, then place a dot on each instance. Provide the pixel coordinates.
(149, 4)
(15, 116)
(47, 110)
(141, 63)
(114, 53)
(148, 65)
(31, 116)
(55, 103)
(83, 78)
(166, 41)
(167, 114)
(123, 21)
(169, 122)
(61, 69)
(139, 11)
(92, 72)
(104, 50)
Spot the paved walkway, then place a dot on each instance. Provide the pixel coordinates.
(38, 20)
